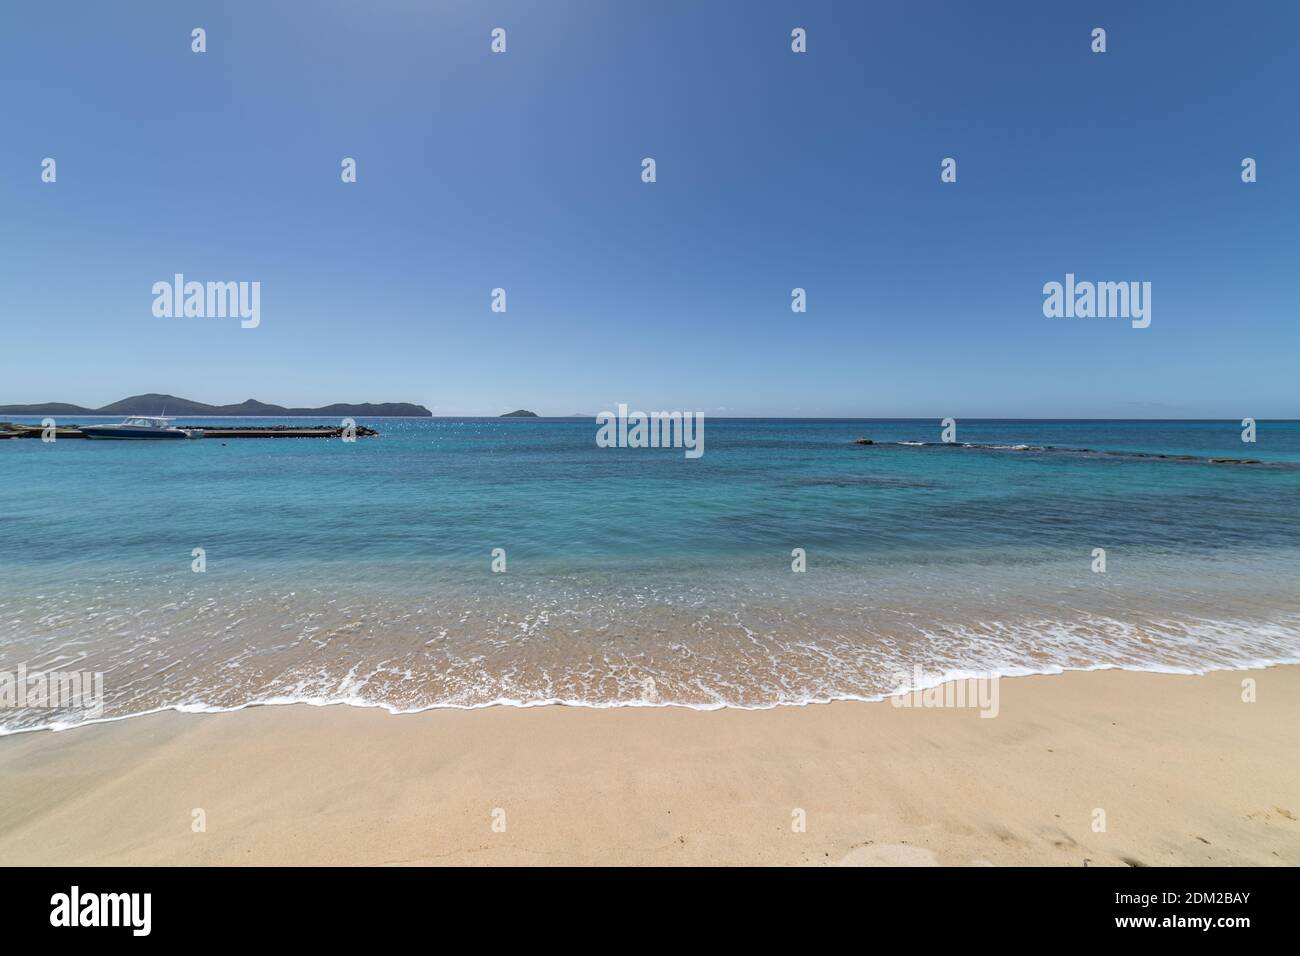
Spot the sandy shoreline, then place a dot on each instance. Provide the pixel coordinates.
(1184, 770)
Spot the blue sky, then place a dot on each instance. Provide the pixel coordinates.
(775, 170)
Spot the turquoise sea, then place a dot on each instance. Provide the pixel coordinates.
(362, 572)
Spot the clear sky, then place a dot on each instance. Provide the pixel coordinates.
(522, 170)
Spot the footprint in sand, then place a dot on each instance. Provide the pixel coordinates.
(889, 854)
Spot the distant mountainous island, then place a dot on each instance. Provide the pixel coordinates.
(520, 413)
(154, 404)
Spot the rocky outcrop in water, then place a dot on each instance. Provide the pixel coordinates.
(1087, 452)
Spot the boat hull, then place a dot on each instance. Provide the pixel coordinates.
(127, 433)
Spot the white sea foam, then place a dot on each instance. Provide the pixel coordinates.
(1063, 637)
(736, 638)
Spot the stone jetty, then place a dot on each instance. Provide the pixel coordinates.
(11, 430)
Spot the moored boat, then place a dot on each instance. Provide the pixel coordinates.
(141, 427)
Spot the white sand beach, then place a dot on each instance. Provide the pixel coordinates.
(1184, 771)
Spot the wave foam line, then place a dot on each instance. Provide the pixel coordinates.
(931, 681)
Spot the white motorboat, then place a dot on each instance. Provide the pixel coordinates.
(141, 427)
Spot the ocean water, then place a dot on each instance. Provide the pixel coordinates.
(361, 572)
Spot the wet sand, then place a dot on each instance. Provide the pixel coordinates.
(1184, 771)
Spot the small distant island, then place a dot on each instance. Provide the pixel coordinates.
(521, 413)
(154, 404)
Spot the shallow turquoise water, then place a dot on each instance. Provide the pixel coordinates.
(361, 571)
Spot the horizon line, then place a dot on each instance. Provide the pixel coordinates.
(820, 418)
